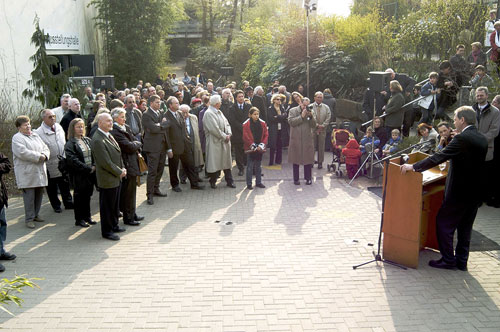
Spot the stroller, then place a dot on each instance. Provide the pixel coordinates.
(340, 137)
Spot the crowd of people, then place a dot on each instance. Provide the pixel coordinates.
(198, 129)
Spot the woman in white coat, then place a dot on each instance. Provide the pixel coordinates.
(30, 154)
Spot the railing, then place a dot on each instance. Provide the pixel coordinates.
(194, 29)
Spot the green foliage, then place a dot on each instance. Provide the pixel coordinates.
(10, 288)
(440, 25)
(43, 85)
(387, 8)
(133, 35)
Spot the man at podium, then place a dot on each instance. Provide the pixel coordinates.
(467, 152)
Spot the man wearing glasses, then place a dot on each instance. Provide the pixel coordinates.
(133, 117)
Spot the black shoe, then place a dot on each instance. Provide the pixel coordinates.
(231, 185)
(159, 194)
(58, 210)
(2, 268)
(240, 172)
(177, 189)
(260, 185)
(119, 229)
(249, 187)
(138, 218)
(7, 256)
(462, 267)
(441, 264)
(320, 166)
(150, 200)
(69, 206)
(81, 223)
(91, 222)
(183, 181)
(213, 186)
(309, 182)
(132, 223)
(297, 183)
(197, 187)
(112, 237)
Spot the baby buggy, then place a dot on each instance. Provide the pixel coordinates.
(340, 137)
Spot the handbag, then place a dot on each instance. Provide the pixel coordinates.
(143, 167)
(62, 165)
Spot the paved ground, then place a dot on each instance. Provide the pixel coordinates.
(284, 264)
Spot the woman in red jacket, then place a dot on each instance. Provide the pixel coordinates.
(352, 155)
(254, 143)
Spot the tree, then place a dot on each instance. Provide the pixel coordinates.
(43, 85)
(231, 25)
(134, 35)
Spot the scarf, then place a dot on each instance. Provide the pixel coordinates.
(256, 129)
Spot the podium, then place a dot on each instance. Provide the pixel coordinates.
(412, 202)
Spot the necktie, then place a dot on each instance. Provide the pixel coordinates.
(241, 107)
(53, 129)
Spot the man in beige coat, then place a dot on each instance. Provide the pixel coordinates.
(322, 114)
(218, 143)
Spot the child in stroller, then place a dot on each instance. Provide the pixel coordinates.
(340, 138)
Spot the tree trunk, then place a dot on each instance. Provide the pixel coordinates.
(241, 13)
(211, 18)
(231, 25)
(204, 34)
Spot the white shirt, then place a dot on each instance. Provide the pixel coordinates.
(102, 131)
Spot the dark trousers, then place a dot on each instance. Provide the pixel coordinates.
(488, 175)
(227, 174)
(459, 217)
(62, 183)
(187, 162)
(254, 167)
(426, 116)
(239, 155)
(408, 120)
(3, 229)
(128, 189)
(307, 172)
(275, 154)
(156, 165)
(82, 197)
(109, 199)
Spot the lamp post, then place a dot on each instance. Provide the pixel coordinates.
(309, 6)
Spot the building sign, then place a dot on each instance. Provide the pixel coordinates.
(58, 40)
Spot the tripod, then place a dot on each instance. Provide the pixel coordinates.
(377, 256)
(370, 158)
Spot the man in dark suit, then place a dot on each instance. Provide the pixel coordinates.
(74, 112)
(109, 172)
(180, 148)
(467, 152)
(155, 146)
(258, 101)
(237, 115)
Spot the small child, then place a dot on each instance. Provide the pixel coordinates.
(369, 139)
(392, 145)
(352, 155)
(254, 143)
(432, 94)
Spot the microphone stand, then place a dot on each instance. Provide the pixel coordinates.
(377, 257)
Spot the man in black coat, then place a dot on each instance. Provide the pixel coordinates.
(467, 152)
(259, 102)
(5, 168)
(237, 115)
(227, 104)
(74, 112)
(134, 117)
(180, 148)
(155, 146)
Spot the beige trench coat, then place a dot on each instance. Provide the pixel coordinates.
(218, 151)
(301, 148)
(198, 153)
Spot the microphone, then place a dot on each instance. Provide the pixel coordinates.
(404, 159)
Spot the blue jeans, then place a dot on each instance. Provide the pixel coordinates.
(253, 166)
(3, 230)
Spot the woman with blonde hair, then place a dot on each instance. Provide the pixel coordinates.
(81, 169)
(277, 122)
(394, 108)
